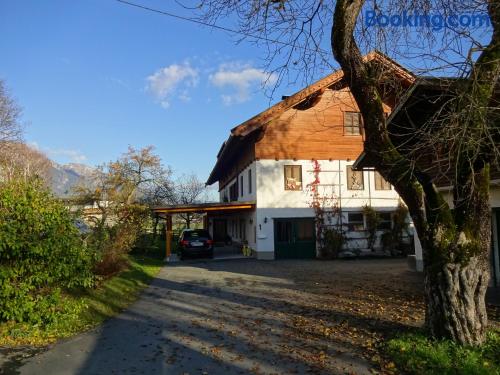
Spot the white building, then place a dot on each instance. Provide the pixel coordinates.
(277, 159)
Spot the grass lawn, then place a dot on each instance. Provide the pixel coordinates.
(417, 354)
(86, 310)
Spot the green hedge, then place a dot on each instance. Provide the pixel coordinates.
(41, 253)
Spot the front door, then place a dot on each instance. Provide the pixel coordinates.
(294, 238)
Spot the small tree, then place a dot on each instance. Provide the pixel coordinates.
(116, 204)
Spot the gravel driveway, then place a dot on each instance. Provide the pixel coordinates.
(248, 316)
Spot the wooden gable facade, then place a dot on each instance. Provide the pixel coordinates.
(307, 125)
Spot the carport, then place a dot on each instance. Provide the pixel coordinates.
(209, 210)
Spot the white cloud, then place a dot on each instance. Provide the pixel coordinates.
(68, 155)
(165, 82)
(242, 78)
(74, 156)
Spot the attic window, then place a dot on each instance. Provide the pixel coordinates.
(352, 123)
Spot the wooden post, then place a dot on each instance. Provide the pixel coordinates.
(168, 238)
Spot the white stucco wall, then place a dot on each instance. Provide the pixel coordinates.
(273, 201)
(271, 192)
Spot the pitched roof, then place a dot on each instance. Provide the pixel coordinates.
(266, 116)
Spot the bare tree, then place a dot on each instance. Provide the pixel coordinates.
(456, 242)
(20, 161)
(188, 190)
(10, 113)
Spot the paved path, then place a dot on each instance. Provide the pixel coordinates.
(219, 317)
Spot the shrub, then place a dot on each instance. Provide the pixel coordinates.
(417, 354)
(41, 253)
(332, 243)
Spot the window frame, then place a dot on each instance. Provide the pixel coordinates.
(360, 124)
(348, 185)
(351, 224)
(300, 187)
(241, 186)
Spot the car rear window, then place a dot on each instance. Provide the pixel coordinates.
(196, 234)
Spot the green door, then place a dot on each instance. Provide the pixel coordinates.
(294, 238)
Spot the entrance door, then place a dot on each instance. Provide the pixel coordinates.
(220, 230)
(294, 238)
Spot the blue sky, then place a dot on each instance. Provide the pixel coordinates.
(80, 70)
(95, 76)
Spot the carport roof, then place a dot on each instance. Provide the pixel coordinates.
(205, 208)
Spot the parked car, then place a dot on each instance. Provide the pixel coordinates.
(196, 242)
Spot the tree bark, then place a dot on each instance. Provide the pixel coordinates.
(455, 301)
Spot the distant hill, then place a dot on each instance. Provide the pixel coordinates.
(66, 176)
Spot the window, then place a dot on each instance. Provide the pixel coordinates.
(196, 233)
(385, 222)
(249, 181)
(233, 192)
(293, 177)
(380, 183)
(241, 185)
(355, 221)
(354, 179)
(352, 123)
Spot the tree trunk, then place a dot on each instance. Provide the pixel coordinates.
(455, 296)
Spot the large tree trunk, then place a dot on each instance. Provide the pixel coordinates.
(455, 301)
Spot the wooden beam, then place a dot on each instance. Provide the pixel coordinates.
(204, 209)
(168, 237)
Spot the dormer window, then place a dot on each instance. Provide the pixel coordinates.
(352, 123)
(293, 177)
